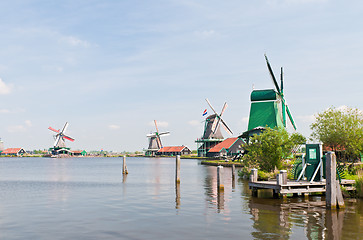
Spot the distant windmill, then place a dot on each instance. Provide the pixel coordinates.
(268, 107)
(214, 121)
(212, 134)
(155, 140)
(60, 137)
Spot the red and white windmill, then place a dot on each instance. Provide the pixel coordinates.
(60, 137)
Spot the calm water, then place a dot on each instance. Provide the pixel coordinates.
(88, 198)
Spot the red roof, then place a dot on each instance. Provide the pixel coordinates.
(226, 144)
(11, 151)
(171, 149)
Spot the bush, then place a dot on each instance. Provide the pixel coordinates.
(359, 186)
(268, 150)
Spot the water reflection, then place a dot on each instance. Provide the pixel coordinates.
(280, 219)
(177, 195)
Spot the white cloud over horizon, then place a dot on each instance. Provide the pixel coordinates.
(4, 88)
(113, 126)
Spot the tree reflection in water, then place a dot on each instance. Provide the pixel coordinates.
(276, 219)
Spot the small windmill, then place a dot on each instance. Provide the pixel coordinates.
(212, 134)
(213, 122)
(155, 140)
(60, 138)
(268, 107)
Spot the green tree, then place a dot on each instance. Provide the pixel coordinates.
(340, 129)
(268, 149)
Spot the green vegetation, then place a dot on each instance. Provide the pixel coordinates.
(359, 187)
(268, 150)
(341, 130)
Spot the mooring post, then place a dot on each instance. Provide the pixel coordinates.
(253, 176)
(233, 177)
(233, 171)
(283, 174)
(177, 169)
(331, 180)
(124, 167)
(340, 199)
(220, 184)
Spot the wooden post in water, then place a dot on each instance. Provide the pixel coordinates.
(233, 177)
(284, 176)
(253, 176)
(124, 167)
(220, 184)
(177, 169)
(233, 171)
(331, 180)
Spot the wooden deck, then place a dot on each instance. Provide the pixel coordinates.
(300, 187)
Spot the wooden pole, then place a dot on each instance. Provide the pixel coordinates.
(233, 176)
(177, 169)
(331, 187)
(283, 174)
(253, 176)
(124, 167)
(177, 196)
(220, 184)
(233, 171)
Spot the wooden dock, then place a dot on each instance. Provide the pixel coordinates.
(294, 187)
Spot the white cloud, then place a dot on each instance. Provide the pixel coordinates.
(306, 118)
(16, 128)
(73, 41)
(205, 33)
(4, 111)
(194, 123)
(159, 123)
(113, 126)
(28, 123)
(4, 88)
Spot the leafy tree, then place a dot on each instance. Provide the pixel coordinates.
(268, 149)
(340, 129)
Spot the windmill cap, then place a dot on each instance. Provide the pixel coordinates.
(263, 95)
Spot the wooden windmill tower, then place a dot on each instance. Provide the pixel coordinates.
(212, 134)
(155, 141)
(268, 107)
(59, 146)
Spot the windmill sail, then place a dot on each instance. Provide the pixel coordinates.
(61, 136)
(218, 119)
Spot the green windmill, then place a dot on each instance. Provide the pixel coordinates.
(268, 107)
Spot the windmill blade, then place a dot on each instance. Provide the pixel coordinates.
(54, 130)
(65, 127)
(151, 135)
(57, 140)
(164, 133)
(282, 81)
(68, 138)
(214, 124)
(157, 130)
(210, 105)
(223, 109)
(272, 75)
(226, 127)
(159, 142)
(290, 117)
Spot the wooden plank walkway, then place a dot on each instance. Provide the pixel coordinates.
(300, 187)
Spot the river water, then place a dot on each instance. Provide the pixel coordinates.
(88, 198)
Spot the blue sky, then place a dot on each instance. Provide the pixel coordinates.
(110, 68)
